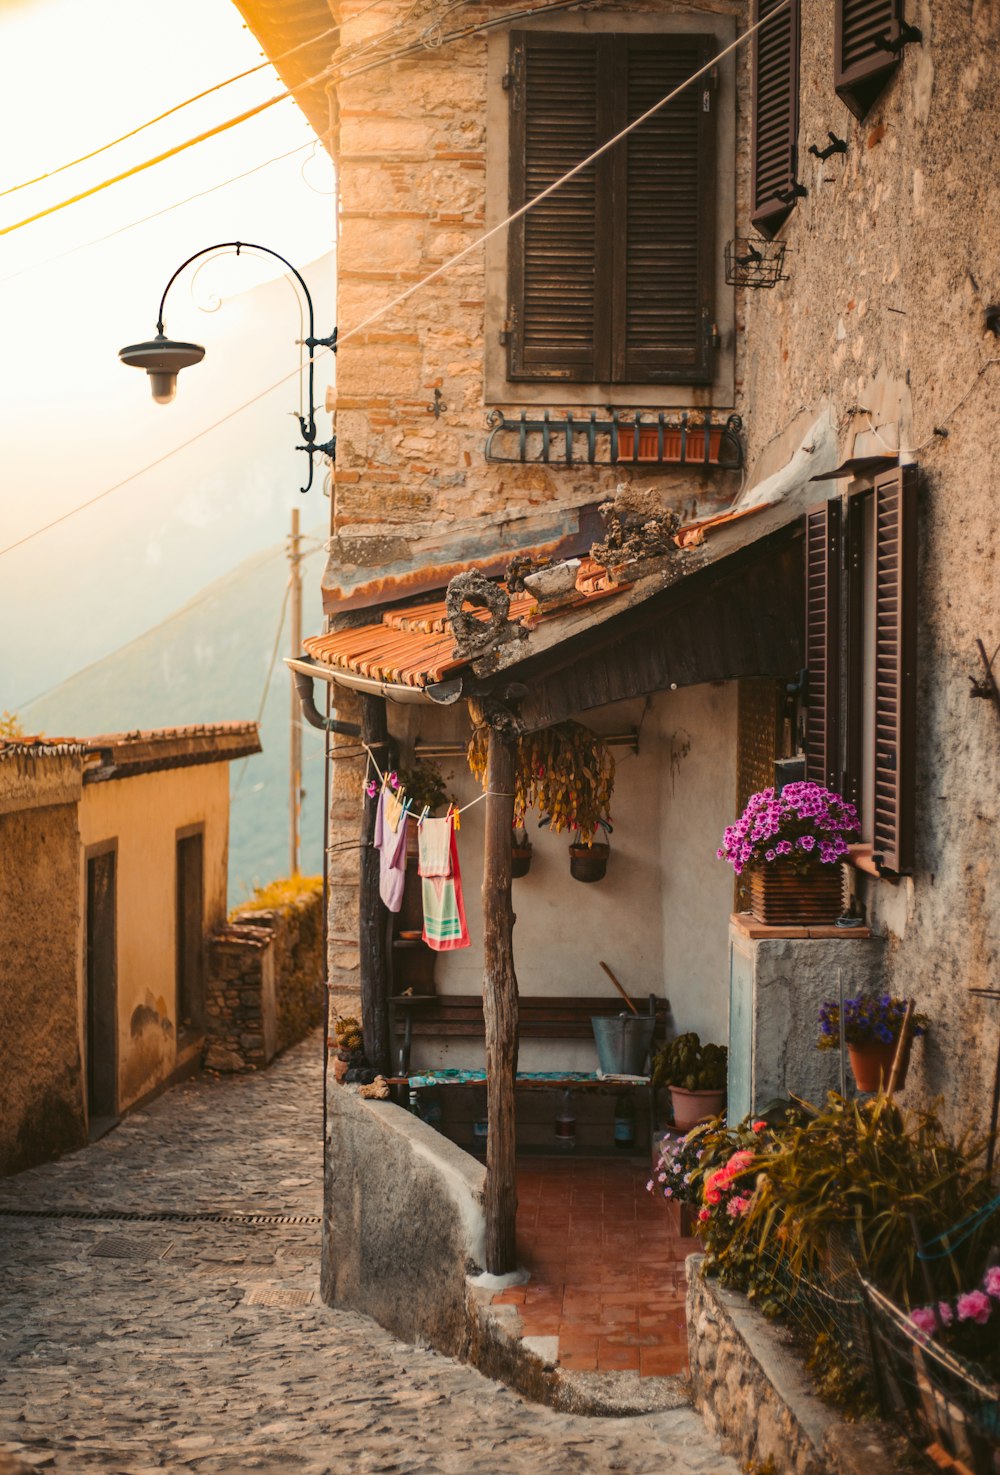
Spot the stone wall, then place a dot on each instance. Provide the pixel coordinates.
(42, 1086)
(265, 985)
(892, 263)
(748, 1383)
(403, 1221)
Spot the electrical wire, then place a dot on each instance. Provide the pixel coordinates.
(145, 219)
(239, 76)
(270, 672)
(424, 281)
(935, 434)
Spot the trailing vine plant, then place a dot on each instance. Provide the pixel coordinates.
(565, 772)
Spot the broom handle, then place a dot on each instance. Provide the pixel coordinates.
(897, 1059)
(619, 988)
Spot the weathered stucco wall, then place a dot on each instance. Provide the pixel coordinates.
(403, 1221)
(893, 260)
(42, 1105)
(144, 813)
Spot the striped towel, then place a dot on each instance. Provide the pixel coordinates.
(444, 910)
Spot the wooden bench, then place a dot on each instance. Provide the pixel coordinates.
(540, 1017)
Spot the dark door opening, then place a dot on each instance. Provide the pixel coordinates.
(190, 933)
(102, 1029)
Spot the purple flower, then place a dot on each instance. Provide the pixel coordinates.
(806, 842)
(769, 855)
(974, 1306)
(371, 789)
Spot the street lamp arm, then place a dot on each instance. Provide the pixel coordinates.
(306, 424)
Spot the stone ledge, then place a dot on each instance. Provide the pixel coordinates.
(750, 1387)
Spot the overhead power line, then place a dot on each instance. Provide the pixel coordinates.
(431, 276)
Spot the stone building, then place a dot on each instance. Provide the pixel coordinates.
(113, 868)
(864, 379)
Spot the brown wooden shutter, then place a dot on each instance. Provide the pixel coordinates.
(611, 279)
(664, 192)
(774, 150)
(556, 315)
(895, 668)
(823, 552)
(862, 61)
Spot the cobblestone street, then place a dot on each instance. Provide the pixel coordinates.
(160, 1343)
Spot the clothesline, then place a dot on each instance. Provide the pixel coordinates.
(486, 794)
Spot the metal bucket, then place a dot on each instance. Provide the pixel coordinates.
(623, 1042)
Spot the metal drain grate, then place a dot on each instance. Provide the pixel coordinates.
(165, 1216)
(117, 1247)
(274, 1296)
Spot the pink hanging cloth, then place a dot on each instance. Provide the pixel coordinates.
(390, 841)
(444, 910)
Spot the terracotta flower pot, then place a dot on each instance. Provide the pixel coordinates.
(588, 862)
(783, 897)
(872, 1064)
(520, 860)
(692, 1107)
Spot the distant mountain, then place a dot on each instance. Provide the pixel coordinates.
(208, 662)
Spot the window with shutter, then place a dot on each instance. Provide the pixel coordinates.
(864, 31)
(774, 149)
(822, 643)
(611, 278)
(895, 668)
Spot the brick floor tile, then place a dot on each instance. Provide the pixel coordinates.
(662, 1362)
(514, 1297)
(580, 1361)
(616, 1359)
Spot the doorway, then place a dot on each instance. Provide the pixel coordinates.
(102, 983)
(190, 949)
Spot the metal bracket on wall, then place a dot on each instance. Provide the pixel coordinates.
(663, 442)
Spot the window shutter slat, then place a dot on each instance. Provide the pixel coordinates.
(774, 150)
(862, 64)
(665, 177)
(895, 668)
(554, 319)
(822, 631)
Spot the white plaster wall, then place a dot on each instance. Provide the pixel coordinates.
(659, 918)
(697, 737)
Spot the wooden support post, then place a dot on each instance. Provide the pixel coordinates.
(500, 1009)
(372, 929)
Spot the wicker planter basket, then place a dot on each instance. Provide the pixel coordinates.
(781, 897)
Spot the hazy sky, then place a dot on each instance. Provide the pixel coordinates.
(73, 420)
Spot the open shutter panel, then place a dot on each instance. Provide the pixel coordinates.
(823, 544)
(664, 186)
(554, 313)
(862, 61)
(775, 115)
(895, 668)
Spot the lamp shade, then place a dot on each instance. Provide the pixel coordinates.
(162, 360)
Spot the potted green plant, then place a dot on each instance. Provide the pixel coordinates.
(696, 1076)
(792, 844)
(566, 773)
(872, 1026)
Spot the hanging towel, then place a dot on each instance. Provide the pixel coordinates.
(444, 910)
(392, 854)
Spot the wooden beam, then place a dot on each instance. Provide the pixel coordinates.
(374, 977)
(500, 1008)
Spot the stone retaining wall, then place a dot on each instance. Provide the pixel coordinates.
(751, 1388)
(265, 984)
(404, 1223)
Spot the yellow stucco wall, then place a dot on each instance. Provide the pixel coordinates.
(143, 814)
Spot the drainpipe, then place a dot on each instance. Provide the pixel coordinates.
(312, 714)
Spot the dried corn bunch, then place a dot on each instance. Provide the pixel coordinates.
(565, 772)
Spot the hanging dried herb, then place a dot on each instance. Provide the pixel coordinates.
(565, 772)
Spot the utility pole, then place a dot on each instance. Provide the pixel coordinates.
(295, 735)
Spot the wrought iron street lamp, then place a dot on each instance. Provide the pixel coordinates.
(163, 358)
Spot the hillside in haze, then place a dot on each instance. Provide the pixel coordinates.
(208, 662)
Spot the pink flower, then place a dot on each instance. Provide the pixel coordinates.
(394, 780)
(371, 789)
(945, 1313)
(922, 1318)
(737, 1207)
(668, 1192)
(649, 1186)
(704, 1214)
(738, 1162)
(974, 1306)
(759, 1126)
(712, 1196)
(991, 1281)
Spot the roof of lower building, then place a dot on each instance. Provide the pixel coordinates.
(122, 754)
